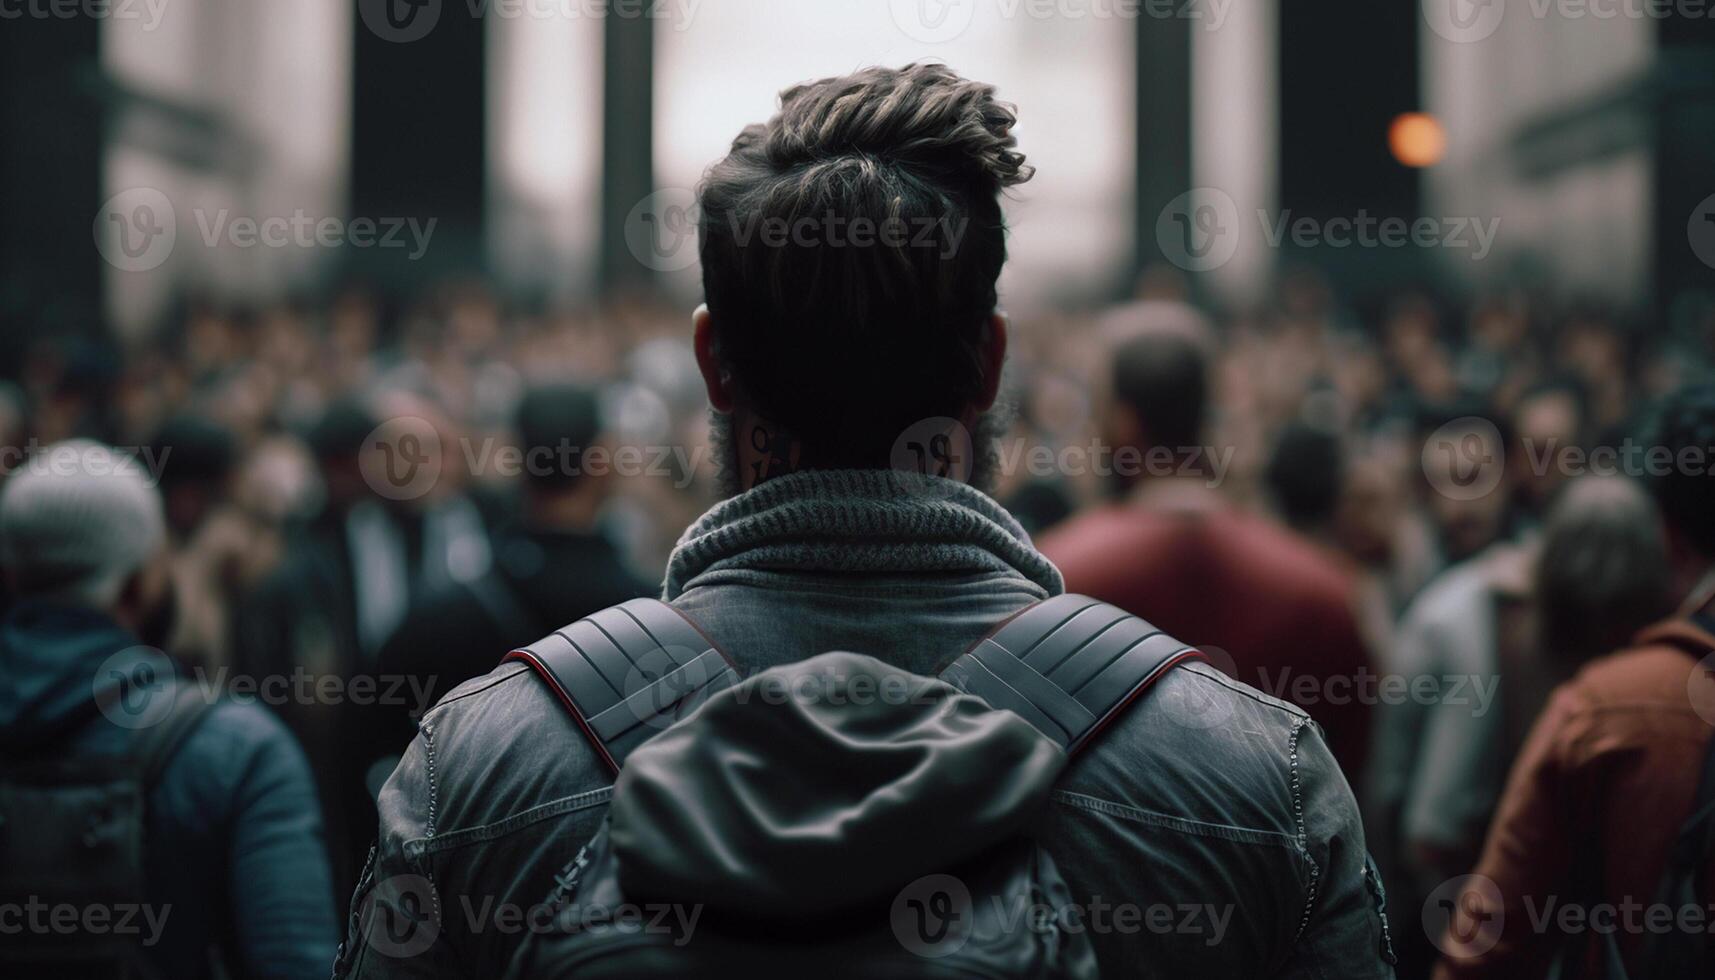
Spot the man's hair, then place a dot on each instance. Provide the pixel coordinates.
(1602, 572)
(850, 248)
(1684, 423)
(561, 419)
(1306, 473)
(1162, 375)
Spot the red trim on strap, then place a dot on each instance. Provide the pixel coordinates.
(1148, 682)
(565, 699)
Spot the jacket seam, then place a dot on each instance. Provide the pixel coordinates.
(1303, 830)
(1292, 711)
(436, 844)
(429, 755)
(1243, 835)
(491, 685)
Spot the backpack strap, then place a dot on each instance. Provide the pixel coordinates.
(1068, 665)
(629, 671)
(155, 745)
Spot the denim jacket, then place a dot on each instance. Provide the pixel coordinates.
(1206, 832)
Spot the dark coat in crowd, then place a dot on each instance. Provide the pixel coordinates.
(233, 845)
(541, 580)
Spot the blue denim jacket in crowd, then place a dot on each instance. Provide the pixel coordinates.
(1207, 832)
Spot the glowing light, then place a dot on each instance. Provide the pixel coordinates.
(1417, 139)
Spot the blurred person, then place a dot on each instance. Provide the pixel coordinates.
(1467, 446)
(1305, 477)
(555, 566)
(815, 359)
(199, 460)
(1601, 574)
(1548, 422)
(346, 582)
(1610, 803)
(1593, 348)
(231, 854)
(1492, 637)
(1173, 551)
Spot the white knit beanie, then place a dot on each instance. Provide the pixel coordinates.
(77, 519)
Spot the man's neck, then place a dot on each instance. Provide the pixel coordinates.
(762, 449)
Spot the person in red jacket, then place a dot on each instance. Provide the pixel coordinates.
(1172, 550)
(1606, 781)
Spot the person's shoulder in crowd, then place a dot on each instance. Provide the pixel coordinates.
(1653, 675)
(1115, 541)
(234, 741)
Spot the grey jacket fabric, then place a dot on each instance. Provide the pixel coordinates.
(1207, 832)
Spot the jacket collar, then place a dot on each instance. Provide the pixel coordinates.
(867, 521)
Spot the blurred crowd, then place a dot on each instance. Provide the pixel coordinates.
(1418, 445)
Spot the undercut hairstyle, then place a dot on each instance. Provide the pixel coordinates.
(850, 248)
(1684, 425)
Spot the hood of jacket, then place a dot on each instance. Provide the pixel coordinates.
(823, 785)
(55, 662)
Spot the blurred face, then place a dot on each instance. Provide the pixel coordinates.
(1369, 511)
(1468, 526)
(147, 604)
(1548, 428)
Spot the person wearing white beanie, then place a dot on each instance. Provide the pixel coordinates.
(231, 834)
(82, 522)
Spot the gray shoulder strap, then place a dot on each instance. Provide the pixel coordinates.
(1069, 665)
(628, 672)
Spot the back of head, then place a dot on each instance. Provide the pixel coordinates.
(1161, 370)
(1306, 474)
(1684, 427)
(76, 521)
(555, 423)
(850, 248)
(1602, 574)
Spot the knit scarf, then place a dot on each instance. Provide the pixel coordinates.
(874, 521)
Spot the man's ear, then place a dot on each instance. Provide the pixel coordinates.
(993, 356)
(715, 378)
